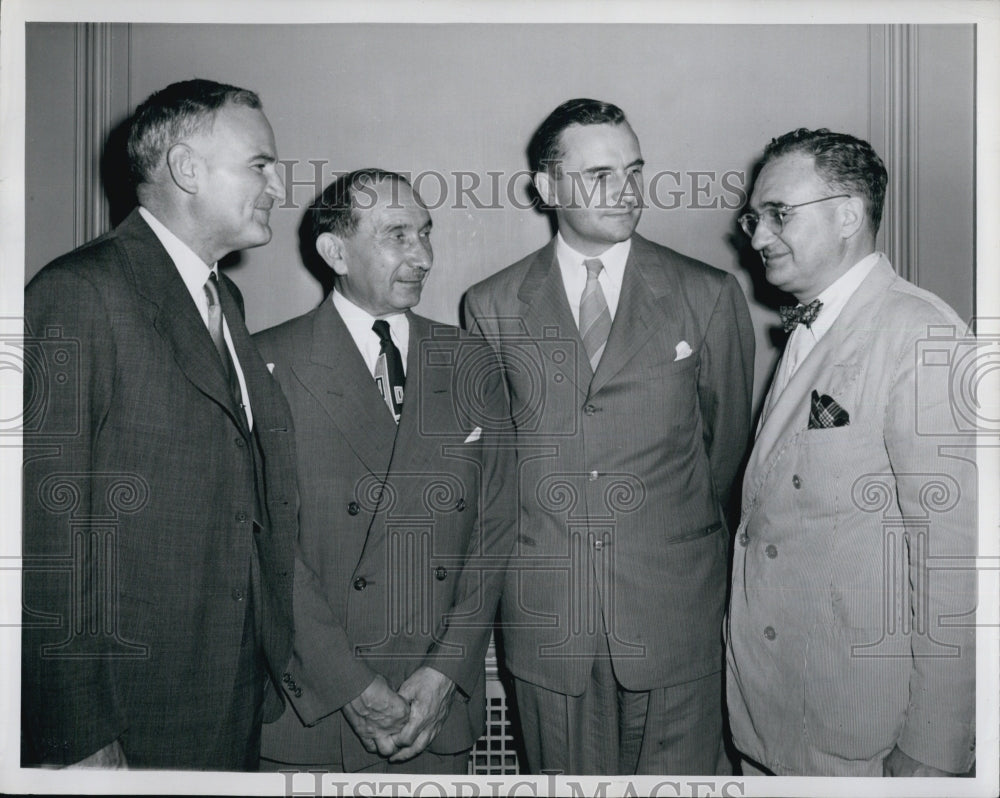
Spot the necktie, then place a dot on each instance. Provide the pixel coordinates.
(595, 318)
(215, 330)
(389, 370)
(799, 314)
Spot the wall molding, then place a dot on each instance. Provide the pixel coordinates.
(893, 126)
(103, 53)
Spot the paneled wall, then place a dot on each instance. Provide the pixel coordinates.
(454, 105)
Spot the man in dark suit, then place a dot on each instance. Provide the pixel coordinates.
(629, 368)
(159, 495)
(407, 515)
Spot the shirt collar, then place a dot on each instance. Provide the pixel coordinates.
(834, 297)
(613, 258)
(193, 270)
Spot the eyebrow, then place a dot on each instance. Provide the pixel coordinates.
(594, 169)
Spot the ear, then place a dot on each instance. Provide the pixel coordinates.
(852, 217)
(183, 171)
(546, 187)
(331, 249)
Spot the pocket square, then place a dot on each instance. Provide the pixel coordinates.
(270, 367)
(475, 435)
(683, 350)
(824, 412)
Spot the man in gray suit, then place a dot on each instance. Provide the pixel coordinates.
(629, 368)
(406, 515)
(159, 489)
(851, 638)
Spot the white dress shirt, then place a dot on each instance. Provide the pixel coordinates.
(574, 273)
(194, 272)
(803, 339)
(359, 324)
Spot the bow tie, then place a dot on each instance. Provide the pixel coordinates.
(799, 314)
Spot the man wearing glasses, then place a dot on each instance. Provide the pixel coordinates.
(850, 638)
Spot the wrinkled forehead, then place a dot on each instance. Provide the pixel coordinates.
(389, 202)
(787, 180)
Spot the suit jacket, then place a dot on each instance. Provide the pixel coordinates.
(623, 473)
(844, 639)
(138, 507)
(404, 533)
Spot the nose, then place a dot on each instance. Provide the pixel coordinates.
(630, 193)
(421, 255)
(275, 183)
(762, 236)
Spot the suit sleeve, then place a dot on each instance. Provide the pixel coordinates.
(70, 702)
(725, 387)
(460, 651)
(323, 674)
(936, 479)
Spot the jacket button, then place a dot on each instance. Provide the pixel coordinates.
(592, 476)
(771, 551)
(796, 482)
(769, 632)
(360, 583)
(353, 508)
(239, 443)
(598, 544)
(241, 517)
(744, 539)
(460, 505)
(440, 573)
(237, 594)
(589, 410)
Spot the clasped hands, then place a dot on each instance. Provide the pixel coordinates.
(399, 725)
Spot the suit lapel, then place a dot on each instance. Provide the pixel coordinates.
(548, 317)
(337, 376)
(425, 390)
(829, 366)
(174, 314)
(641, 311)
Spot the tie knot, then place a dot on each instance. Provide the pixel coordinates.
(799, 314)
(594, 267)
(381, 328)
(212, 289)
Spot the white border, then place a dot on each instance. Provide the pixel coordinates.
(15, 13)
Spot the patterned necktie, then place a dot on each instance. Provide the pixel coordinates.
(389, 374)
(595, 318)
(799, 314)
(215, 320)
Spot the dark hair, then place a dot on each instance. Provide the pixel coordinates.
(333, 210)
(173, 113)
(544, 149)
(845, 162)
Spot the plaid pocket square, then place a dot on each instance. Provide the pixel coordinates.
(824, 412)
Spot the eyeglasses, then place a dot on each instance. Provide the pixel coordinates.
(774, 217)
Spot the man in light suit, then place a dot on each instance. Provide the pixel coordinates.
(629, 369)
(406, 518)
(159, 492)
(851, 647)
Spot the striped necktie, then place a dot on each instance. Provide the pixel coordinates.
(389, 374)
(595, 318)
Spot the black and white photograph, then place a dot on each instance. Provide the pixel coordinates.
(486, 399)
